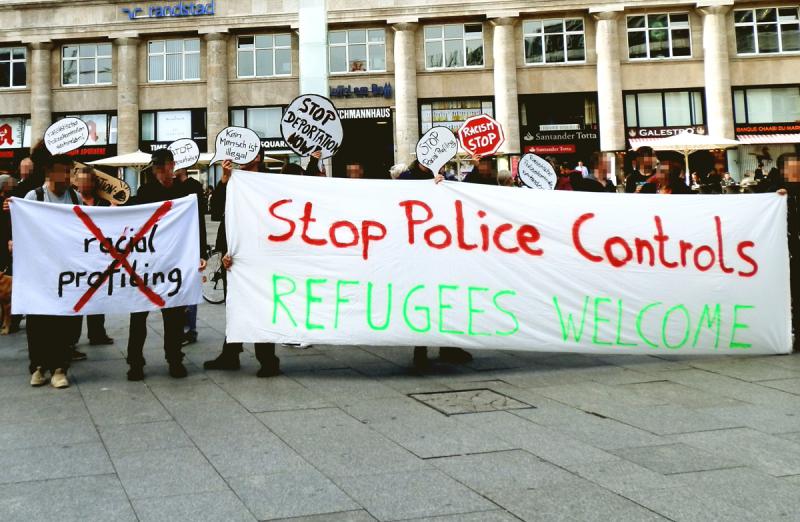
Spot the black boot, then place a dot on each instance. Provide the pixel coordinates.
(177, 370)
(454, 355)
(227, 360)
(136, 373)
(421, 358)
(270, 364)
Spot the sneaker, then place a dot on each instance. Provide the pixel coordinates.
(189, 338)
(177, 370)
(454, 355)
(223, 362)
(59, 379)
(102, 340)
(38, 378)
(78, 356)
(136, 373)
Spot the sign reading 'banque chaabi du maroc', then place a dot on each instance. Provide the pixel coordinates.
(331, 262)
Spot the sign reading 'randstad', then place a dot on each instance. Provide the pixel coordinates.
(171, 10)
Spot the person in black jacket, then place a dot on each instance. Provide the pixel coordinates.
(192, 186)
(646, 161)
(789, 185)
(163, 188)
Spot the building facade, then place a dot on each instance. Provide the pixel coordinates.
(564, 78)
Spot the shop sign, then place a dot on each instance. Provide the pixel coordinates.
(180, 9)
(663, 132)
(568, 148)
(11, 133)
(271, 144)
(88, 151)
(372, 113)
(375, 91)
(560, 136)
(769, 128)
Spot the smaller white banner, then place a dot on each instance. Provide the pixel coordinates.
(76, 260)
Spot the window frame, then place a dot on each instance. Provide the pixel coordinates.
(564, 33)
(245, 114)
(646, 30)
(744, 91)
(754, 25)
(692, 111)
(11, 61)
(346, 46)
(272, 49)
(464, 39)
(78, 59)
(183, 53)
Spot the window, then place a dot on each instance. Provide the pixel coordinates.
(659, 36)
(452, 113)
(168, 126)
(102, 128)
(173, 60)
(264, 55)
(357, 50)
(770, 30)
(554, 41)
(768, 105)
(264, 121)
(453, 46)
(664, 109)
(12, 67)
(86, 64)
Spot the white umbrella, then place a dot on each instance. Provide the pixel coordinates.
(686, 143)
(132, 159)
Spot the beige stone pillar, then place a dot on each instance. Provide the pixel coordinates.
(41, 96)
(405, 91)
(216, 85)
(609, 82)
(506, 105)
(719, 101)
(127, 94)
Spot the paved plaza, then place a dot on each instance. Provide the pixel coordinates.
(351, 434)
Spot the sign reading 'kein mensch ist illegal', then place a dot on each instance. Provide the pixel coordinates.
(179, 9)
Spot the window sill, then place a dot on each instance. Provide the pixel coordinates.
(273, 77)
(662, 60)
(15, 89)
(556, 64)
(79, 87)
(767, 55)
(357, 73)
(174, 82)
(457, 69)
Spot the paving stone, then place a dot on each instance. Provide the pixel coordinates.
(344, 516)
(747, 370)
(768, 420)
(678, 394)
(592, 396)
(50, 404)
(235, 455)
(469, 401)
(417, 494)
(482, 516)
(669, 419)
(51, 462)
(515, 469)
(621, 476)
(345, 386)
(774, 455)
(34, 432)
(733, 388)
(675, 458)
(787, 385)
(687, 505)
(148, 436)
(124, 404)
(585, 502)
(78, 499)
(283, 495)
(212, 506)
(163, 473)
(275, 394)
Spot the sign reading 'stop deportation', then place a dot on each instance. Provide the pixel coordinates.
(311, 124)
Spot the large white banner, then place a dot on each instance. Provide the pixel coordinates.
(76, 260)
(338, 261)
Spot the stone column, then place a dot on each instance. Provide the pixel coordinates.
(506, 105)
(405, 84)
(41, 96)
(609, 82)
(719, 101)
(216, 85)
(127, 95)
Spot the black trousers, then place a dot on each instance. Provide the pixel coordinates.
(48, 341)
(265, 352)
(96, 324)
(173, 335)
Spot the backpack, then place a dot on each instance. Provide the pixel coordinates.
(40, 195)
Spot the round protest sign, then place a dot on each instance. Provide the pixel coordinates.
(311, 123)
(481, 135)
(186, 153)
(112, 189)
(436, 147)
(66, 135)
(238, 144)
(536, 173)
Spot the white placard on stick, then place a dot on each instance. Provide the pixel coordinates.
(238, 144)
(311, 123)
(436, 147)
(536, 173)
(186, 153)
(66, 135)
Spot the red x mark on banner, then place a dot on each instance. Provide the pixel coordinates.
(121, 258)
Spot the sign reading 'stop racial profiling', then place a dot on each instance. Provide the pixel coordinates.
(330, 261)
(311, 124)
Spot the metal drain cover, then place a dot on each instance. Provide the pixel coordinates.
(469, 401)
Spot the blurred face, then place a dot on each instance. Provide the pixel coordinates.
(603, 168)
(166, 174)
(25, 168)
(485, 168)
(58, 178)
(84, 182)
(355, 171)
(181, 174)
(647, 162)
(253, 165)
(791, 170)
(8, 187)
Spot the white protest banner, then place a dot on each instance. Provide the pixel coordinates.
(185, 152)
(76, 260)
(330, 261)
(238, 144)
(436, 147)
(536, 173)
(311, 123)
(65, 135)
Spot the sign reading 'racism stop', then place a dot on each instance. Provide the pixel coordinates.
(481, 135)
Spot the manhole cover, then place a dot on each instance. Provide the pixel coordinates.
(469, 401)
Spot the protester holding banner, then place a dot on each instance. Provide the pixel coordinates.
(789, 168)
(7, 187)
(483, 172)
(228, 359)
(646, 161)
(49, 335)
(192, 186)
(600, 166)
(163, 188)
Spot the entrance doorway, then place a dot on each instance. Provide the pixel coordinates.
(369, 141)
